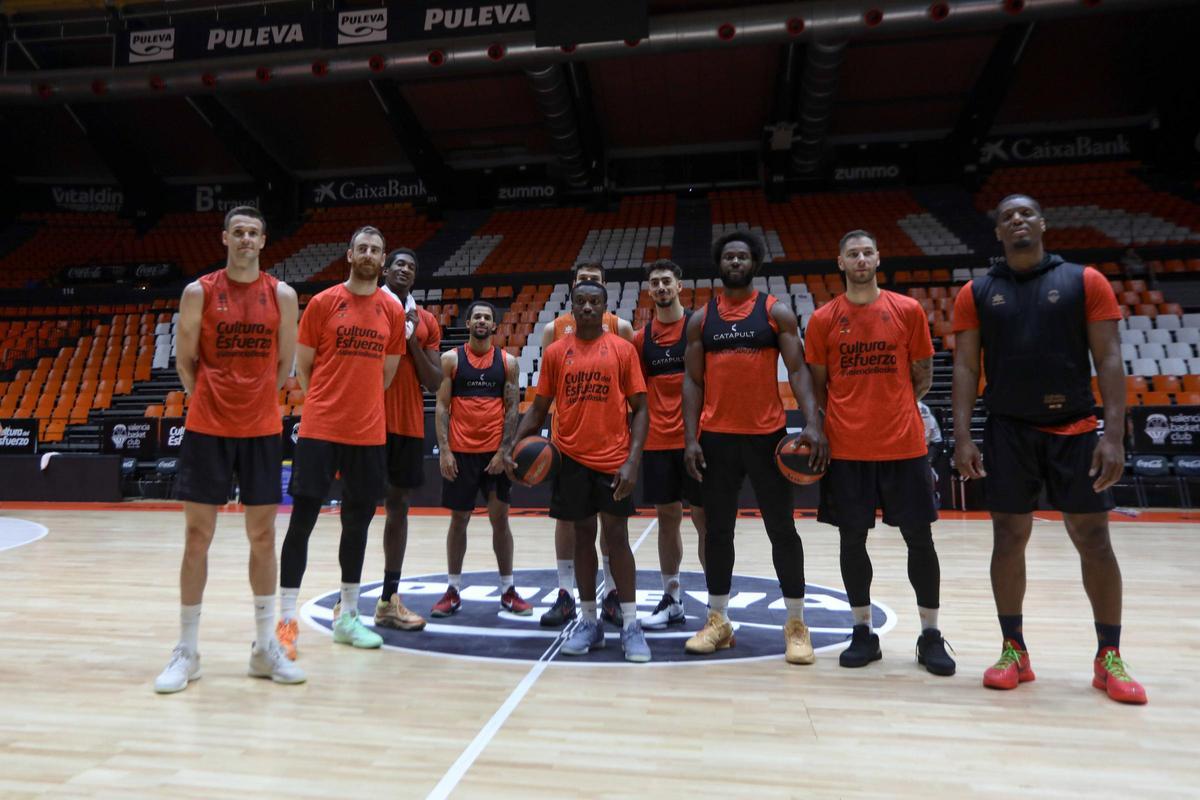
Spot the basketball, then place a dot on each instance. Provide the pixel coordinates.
(537, 460)
(791, 456)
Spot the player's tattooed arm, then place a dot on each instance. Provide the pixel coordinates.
(512, 416)
(441, 418)
(921, 373)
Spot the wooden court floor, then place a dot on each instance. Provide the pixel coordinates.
(88, 616)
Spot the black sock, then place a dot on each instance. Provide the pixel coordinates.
(1107, 636)
(391, 584)
(1010, 628)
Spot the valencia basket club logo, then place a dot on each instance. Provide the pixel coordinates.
(483, 630)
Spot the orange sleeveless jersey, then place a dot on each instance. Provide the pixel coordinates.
(235, 393)
(741, 393)
(404, 407)
(351, 334)
(664, 393)
(476, 423)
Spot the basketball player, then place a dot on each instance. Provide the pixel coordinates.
(730, 393)
(1036, 319)
(563, 609)
(666, 483)
(233, 350)
(477, 413)
(871, 360)
(405, 411)
(350, 343)
(594, 379)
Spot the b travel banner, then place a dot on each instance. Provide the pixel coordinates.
(218, 38)
(18, 436)
(1168, 430)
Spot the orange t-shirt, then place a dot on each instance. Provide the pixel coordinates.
(565, 323)
(352, 334)
(238, 359)
(591, 383)
(1100, 303)
(403, 402)
(871, 413)
(741, 393)
(664, 393)
(477, 422)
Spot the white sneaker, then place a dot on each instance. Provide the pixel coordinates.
(183, 668)
(668, 612)
(273, 663)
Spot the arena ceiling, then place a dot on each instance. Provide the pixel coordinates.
(920, 83)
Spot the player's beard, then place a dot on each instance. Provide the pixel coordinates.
(365, 270)
(740, 282)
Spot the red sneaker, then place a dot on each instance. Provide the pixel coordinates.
(449, 604)
(1012, 668)
(1110, 675)
(514, 603)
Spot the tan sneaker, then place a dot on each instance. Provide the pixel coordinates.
(799, 643)
(393, 614)
(717, 634)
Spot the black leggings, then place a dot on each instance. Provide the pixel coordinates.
(356, 521)
(924, 572)
(729, 459)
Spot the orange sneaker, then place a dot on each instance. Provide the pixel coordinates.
(1110, 675)
(1012, 668)
(286, 631)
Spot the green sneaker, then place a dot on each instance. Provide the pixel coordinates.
(348, 629)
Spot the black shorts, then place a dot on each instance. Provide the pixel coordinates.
(579, 492)
(1020, 459)
(207, 465)
(665, 479)
(474, 480)
(852, 490)
(405, 461)
(316, 462)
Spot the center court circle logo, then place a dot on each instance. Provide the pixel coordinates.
(483, 630)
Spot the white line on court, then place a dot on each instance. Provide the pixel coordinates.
(459, 768)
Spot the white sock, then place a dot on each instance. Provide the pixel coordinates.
(628, 615)
(189, 627)
(349, 597)
(455, 581)
(264, 620)
(609, 583)
(928, 617)
(717, 603)
(588, 609)
(671, 585)
(566, 574)
(506, 582)
(862, 615)
(287, 602)
(795, 607)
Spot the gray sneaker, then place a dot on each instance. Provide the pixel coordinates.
(588, 636)
(633, 642)
(274, 664)
(667, 612)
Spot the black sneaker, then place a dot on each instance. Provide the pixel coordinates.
(863, 649)
(931, 652)
(610, 609)
(561, 612)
